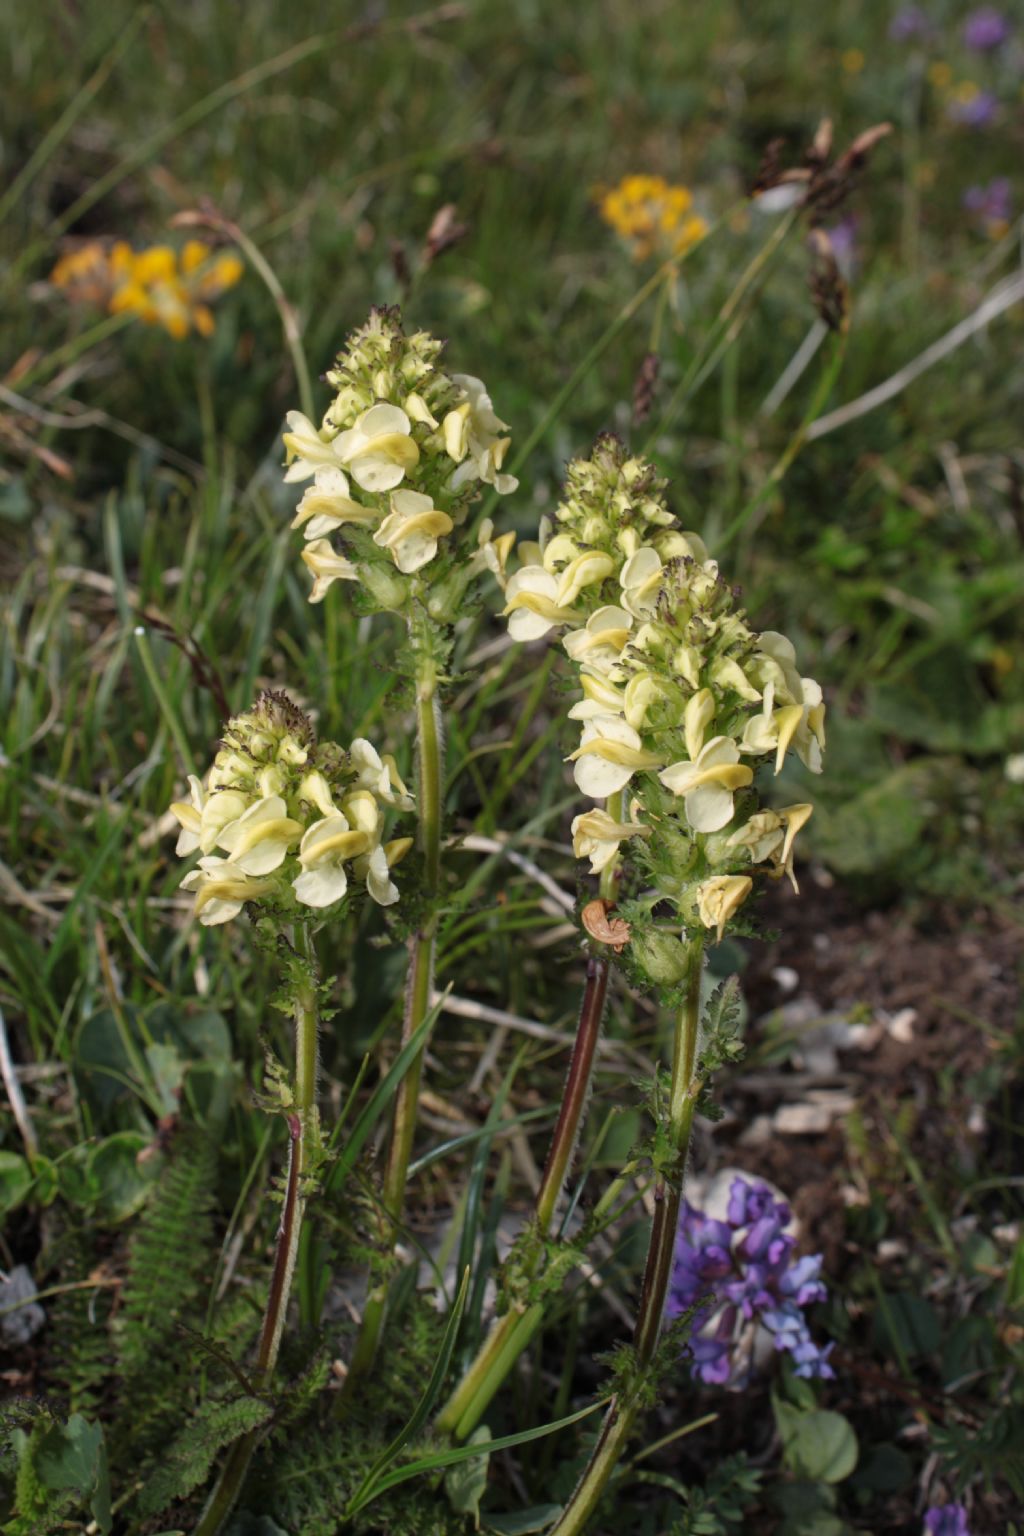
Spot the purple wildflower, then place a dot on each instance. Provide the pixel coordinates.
(909, 22)
(843, 240)
(986, 29)
(747, 1266)
(946, 1520)
(973, 111)
(991, 205)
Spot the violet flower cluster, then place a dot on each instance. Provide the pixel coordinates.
(986, 29)
(946, 1520)
(748, 1266)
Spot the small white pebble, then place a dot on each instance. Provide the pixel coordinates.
(901, 1025)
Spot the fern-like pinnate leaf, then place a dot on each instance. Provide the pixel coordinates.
(188, 1461)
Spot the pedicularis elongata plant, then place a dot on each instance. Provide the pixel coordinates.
(682, 701)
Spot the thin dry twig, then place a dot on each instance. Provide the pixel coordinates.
(1002, 297)
(19, 1108)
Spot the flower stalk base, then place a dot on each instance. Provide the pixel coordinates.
(625, 1407)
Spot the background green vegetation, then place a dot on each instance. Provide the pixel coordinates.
(140, 488)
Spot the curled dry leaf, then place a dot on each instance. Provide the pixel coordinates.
(613, 931)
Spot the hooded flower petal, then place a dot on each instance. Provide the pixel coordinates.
(640, 579)
(189, 815)
(608, 756)
(327, 505)
(322, 853)
(603, 640)
(411, 530)
(222, 888)
(720, 898)
(708, 782)
(259, 841)
(327, 567)
(378, 449)
(307, 450)
(597, 836)
(531, 604)
(472, 434)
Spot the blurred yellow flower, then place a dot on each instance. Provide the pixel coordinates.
(964, 92)
(852, 61)
(85, 274)
(652, 215)
(159, 285)
(940, 74)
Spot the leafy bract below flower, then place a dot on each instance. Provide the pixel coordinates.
(296, 818)
(748, 1265)
(682, 700)
(399, 455)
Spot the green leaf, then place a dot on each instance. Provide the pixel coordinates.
(525, 1522)
(168, 1071)
(1015, 1277)
(380, 1099)
(15, 1180)
(466, 1483)
(824, 1447)
(807, 1509)
(72, 1458)
(121, 1182)
(906, 1324)
(440, 1459)
(883, 1469)
(371, 1484)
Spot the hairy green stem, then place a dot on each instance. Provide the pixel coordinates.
(304, 1132)
(512, 1332)
(626, 1405)
(419, 986)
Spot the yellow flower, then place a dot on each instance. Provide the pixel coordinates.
(601, 643)
(411, 530)
(708, 782)
(306, 449)
(222, 889)
(609, 754)
(852, 61)
(378, 448)
(203, 816)
(597, 836)
(720, 898)
(532, 604)
(640, 579)
(162, 289)
(85, 274)
(473, 438)
(326, 504)
(322, 854)
(940, 74)
(259, 841)
(651, 214)
(326, 566)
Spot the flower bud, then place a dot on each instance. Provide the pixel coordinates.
(661, 956)
(385, 586)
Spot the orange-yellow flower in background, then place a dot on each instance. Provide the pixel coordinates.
(159, 285)
(652, 215)
(85, 274)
